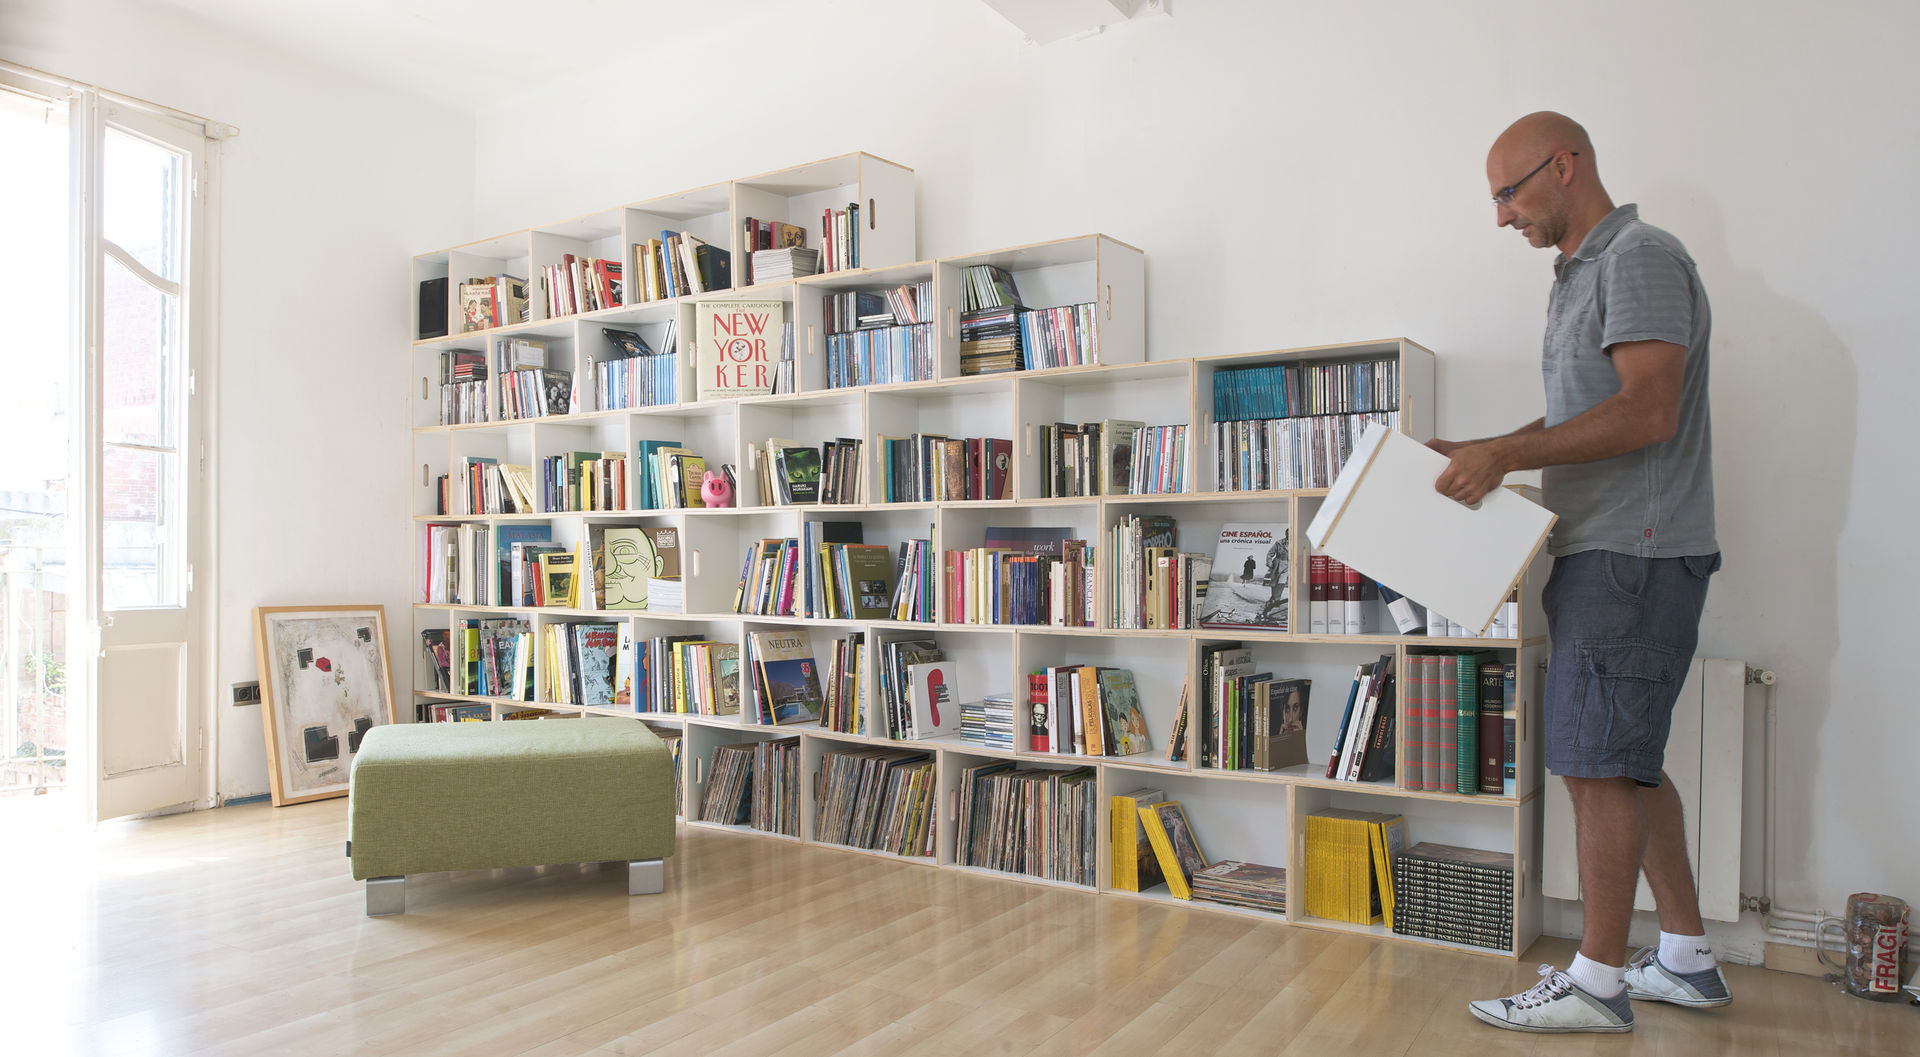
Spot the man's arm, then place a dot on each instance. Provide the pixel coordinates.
(1448, 447)
(1645, 411)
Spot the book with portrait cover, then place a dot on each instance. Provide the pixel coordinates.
(736, 345)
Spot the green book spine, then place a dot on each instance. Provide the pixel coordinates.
(1467, 724)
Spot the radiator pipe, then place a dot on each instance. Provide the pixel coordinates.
(1799, 937)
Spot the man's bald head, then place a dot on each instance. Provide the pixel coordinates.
(1547, 159)
(1542, 134)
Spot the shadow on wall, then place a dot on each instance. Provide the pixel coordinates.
(1785, 400)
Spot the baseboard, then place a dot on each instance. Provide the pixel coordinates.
(235, 801)
(1788, 958)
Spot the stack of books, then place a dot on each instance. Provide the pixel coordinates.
(1461, 895)
(1348, 857)
(988, 722)
(1243, 884)
(790, 262)
(990, 340)
(776, 786)
(728, 797)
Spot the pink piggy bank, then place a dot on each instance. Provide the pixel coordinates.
(716, 490)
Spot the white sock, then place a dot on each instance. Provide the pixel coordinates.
(1686, 954)
(1600, 981)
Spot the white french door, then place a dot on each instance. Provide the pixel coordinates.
(141, 180)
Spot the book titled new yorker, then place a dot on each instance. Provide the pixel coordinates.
(737, 344)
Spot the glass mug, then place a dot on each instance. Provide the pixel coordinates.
(1873, 935)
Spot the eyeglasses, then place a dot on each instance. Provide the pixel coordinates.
(1504, 196)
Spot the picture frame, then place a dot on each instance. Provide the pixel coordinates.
(325, 680)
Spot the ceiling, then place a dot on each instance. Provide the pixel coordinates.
(457, 51)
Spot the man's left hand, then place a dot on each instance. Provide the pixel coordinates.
(1474, 470)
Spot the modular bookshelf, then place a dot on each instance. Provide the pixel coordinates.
(1258, 816)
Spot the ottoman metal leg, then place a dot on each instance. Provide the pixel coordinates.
(646, 877)
(386, 895)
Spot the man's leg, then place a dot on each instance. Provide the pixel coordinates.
(1611, 828)
(1669, 874)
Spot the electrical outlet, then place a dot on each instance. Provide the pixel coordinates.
(246, 694)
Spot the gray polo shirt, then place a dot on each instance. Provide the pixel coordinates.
(1629, 281)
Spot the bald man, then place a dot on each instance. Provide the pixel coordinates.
(1625, 451)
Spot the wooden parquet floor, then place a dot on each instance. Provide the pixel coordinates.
(238, 933)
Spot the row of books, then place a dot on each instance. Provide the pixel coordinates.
(535, 392)
(1152, 584)
(793, 474)
(772, 237)
(493, 301)
(1285, 390)
(1261, 454)
(1339, 599)
(755, 783)
(840, 241)
(1461, 895)
(1034, 821)
(1363, 747)
(583, 661)
(463, 387)
(880, 356)
(675, 740)
(1086, 710)
(843, 690)
(878, 799)
(1064, 336)
(900, 305)
(1247, 719)
(636, 381)
(933, 468)
(1349, 863)
(671, 476)
(483, 485)
(576, 284)
(1461, 715)
(583, 480)
(989, 286)
(995, 585)
(1087, 458)
(481, 658)
(679, 264)
(685, 674)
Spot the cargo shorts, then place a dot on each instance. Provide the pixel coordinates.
(1623, 629)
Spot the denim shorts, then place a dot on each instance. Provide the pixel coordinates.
(1624, 629)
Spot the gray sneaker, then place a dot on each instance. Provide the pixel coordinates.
(1649, 981)
(1556, 1005)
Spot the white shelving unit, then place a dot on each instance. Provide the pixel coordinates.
(1252, 815)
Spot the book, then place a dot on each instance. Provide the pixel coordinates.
(796, 474)
(736, 345)
(630, 561)
(1248, 585)
(1174, 845)
(1120, 706)
(1387, 838)
(556, 578)
(436, 646)
(934, 704)
(1135, 866)
(593, 658)
(1384, 517)
(788, 677)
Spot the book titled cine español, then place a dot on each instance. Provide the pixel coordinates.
(1384, 518)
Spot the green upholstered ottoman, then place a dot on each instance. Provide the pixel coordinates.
(436, 797)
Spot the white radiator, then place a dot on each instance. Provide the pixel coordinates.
(1704, 757)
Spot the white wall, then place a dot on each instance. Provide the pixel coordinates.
(1305, 173)
(333, 184)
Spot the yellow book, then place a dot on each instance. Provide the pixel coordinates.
(1135, 866)
(1163, 846)
(1389, 838)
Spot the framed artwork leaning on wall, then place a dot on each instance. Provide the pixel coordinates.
(324, 682)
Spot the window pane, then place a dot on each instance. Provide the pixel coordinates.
(34, 455)
(137, 360)
(140, 545)
(142, 202)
